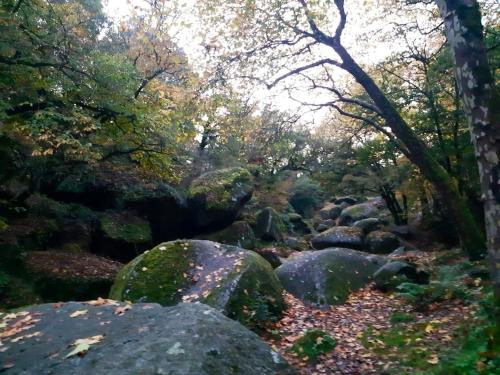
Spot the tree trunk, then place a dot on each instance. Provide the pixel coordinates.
(481, 101)
(469, 232)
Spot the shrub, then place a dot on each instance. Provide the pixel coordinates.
(305, 195)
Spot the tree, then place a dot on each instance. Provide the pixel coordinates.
(481, 101)
(286, 33)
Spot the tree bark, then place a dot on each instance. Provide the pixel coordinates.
(470, 234)
(481, 102)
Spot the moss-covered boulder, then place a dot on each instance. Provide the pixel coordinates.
(380, 242)
(347, 237)
(330, 211)
(357, 212)
(392, 274)
(298, 224)
(327, 277)
(215, 198)
(122, 235)
(269, 225)
(76, 223)
(239, 233)
(122, 339)
(369, 225)
(238, 282)
(62, 276)
(312, 344)
(295, 243)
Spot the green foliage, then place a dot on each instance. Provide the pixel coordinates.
(305, 195)
(479, 350)
(448, 283)
(401, 317)
(4, 281)
(312, 344)
(3, 224)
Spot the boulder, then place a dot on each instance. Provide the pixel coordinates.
(357, 212)
(347, 200)
(269, 226)
(122, 235)
(271, 254)
(106, 337)
(215, 198)
(238, 282)
(368, 225)
(62, 276)
(239, 233)
(76, 223)
(296, 243)
(380, 242)
(327, 277)
(164, 208)
(330, 211)
(347, 237)
(299, 226)
(392, 274)
(403, 231)
(322, 227)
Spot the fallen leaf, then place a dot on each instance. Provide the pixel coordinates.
(79, 313)
(121, 310)
(82, 346)
(433, 360)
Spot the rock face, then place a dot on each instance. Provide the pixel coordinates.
(347, 237)
(122, 236)
(239, 233)
(60, 276)
(390, 275)
(141, 339)
(346, 200)
(379, 242)
(326, 277)
(368, 225)
(269, 225)
(215, 198)
(237, 282)
(357, 212)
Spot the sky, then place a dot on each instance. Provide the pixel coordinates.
(368, 50)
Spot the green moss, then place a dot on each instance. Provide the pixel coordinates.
(155, 276)
(401, 317)
(3, 224)
(312, 344)
(218, 188)
(238, 234)
(126, 227)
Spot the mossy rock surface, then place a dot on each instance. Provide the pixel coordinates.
(380, 242)
(269, 225)
(312, 344)
(238, 282)
(327, 277)
(126, 227)
(215, 198)
(146, 339)
(330, 211)
(239, 233)
(369, 225)
(346, 237)
(357, 212)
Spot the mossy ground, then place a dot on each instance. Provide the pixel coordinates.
(127, 228)
(312, 344)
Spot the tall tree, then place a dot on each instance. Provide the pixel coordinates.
(481, 101)
(295, 30)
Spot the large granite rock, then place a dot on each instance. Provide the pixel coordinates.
(215, 198)
(238, 282)
(327, 277)
(392, 274)
(269, 225)
(380, 242)
(368, 225)
(330, 211)
(239, 233)
(62, 276)
(357, 212)
(122, 236)
(122, 339)
(299, 226)
(347, 237)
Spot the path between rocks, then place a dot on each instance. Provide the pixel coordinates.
(365, 308)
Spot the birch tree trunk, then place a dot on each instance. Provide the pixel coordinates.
(481, 102)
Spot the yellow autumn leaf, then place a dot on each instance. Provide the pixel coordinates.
(433, 360)
(429, 328)
(83, 345)
(79, 313)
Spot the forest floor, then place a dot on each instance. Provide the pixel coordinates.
(375, 333)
